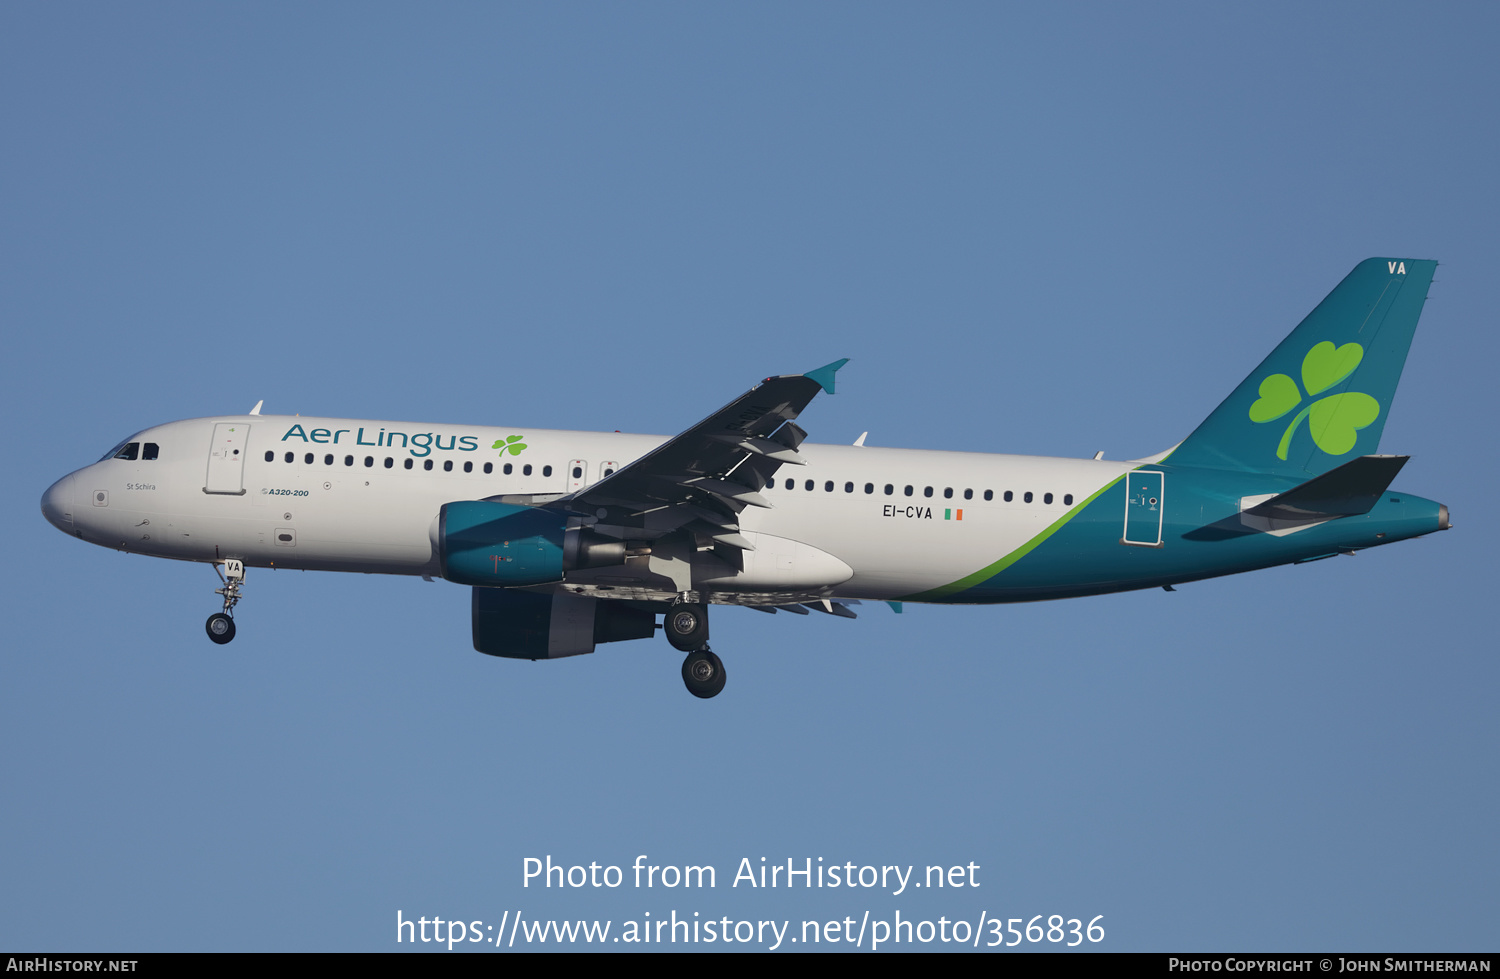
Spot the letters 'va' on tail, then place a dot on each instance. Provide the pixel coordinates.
(1321, 398)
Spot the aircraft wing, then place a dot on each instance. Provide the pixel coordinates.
(719, 466)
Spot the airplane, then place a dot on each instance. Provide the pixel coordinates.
(573, 539)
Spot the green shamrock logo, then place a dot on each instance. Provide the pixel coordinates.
(511, 444)
(1336, 419)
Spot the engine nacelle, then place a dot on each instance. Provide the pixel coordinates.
(525, 625)
(481, 542)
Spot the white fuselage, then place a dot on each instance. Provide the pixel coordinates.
(360, 495)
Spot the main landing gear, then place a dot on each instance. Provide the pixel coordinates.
(686, 625)
(703, 672)
(220, 625)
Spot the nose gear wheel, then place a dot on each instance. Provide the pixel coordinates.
(220, 625)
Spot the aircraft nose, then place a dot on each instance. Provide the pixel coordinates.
(57, 504)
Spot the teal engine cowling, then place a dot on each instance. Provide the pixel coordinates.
(490, 544)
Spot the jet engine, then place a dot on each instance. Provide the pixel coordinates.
(526, 625)
(485, 543)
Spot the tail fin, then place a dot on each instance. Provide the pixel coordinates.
(1321, 397)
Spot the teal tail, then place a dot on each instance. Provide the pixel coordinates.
(1320, 399)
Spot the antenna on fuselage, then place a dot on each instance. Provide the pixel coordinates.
(861, 440)
(256, 409)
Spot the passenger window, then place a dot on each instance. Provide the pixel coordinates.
(328, 459)
(990, 495)
(290, 457)
(546, 470)
(390, 463)
(1028, 496)
(508, 469)
(927, 492)
(869, 487)
(889, 489)
(270, 456)
(908, 491)
(1047, 498)
(608, 470)
(427, 464)
(828, 486)
(1068, 500)
(968, 494)
(133, 449)
(369, 462)
(308, 459)
(577, 472)
(407, 463)
(1008, 495)
(848, 487)
(149, 450)
(489, 467)
(468, 467)
(947, 492)
(447, 465)
(790, 484)
(525, 470)
(348, 460)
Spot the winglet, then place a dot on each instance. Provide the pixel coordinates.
(824, 375)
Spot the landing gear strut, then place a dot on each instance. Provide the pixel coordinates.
(703, 673)
(686, 625)
(220, 625)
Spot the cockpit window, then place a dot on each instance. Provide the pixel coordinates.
(124, 445)
(149, 451)
(129, 451)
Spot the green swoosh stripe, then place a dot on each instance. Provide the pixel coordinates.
(989, 571)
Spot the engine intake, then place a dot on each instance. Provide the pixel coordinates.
(525, 625)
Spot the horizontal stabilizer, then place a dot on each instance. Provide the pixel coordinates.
(1347, 491)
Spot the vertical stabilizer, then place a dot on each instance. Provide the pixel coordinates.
(1321, 398)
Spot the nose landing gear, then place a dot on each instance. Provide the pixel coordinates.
(220, 625)
(220, 628)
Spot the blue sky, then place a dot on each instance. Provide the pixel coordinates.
(1035, 230)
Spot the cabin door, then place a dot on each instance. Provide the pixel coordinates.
(1143, 509)
(226, 459)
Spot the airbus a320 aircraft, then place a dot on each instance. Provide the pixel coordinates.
(570, 539)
